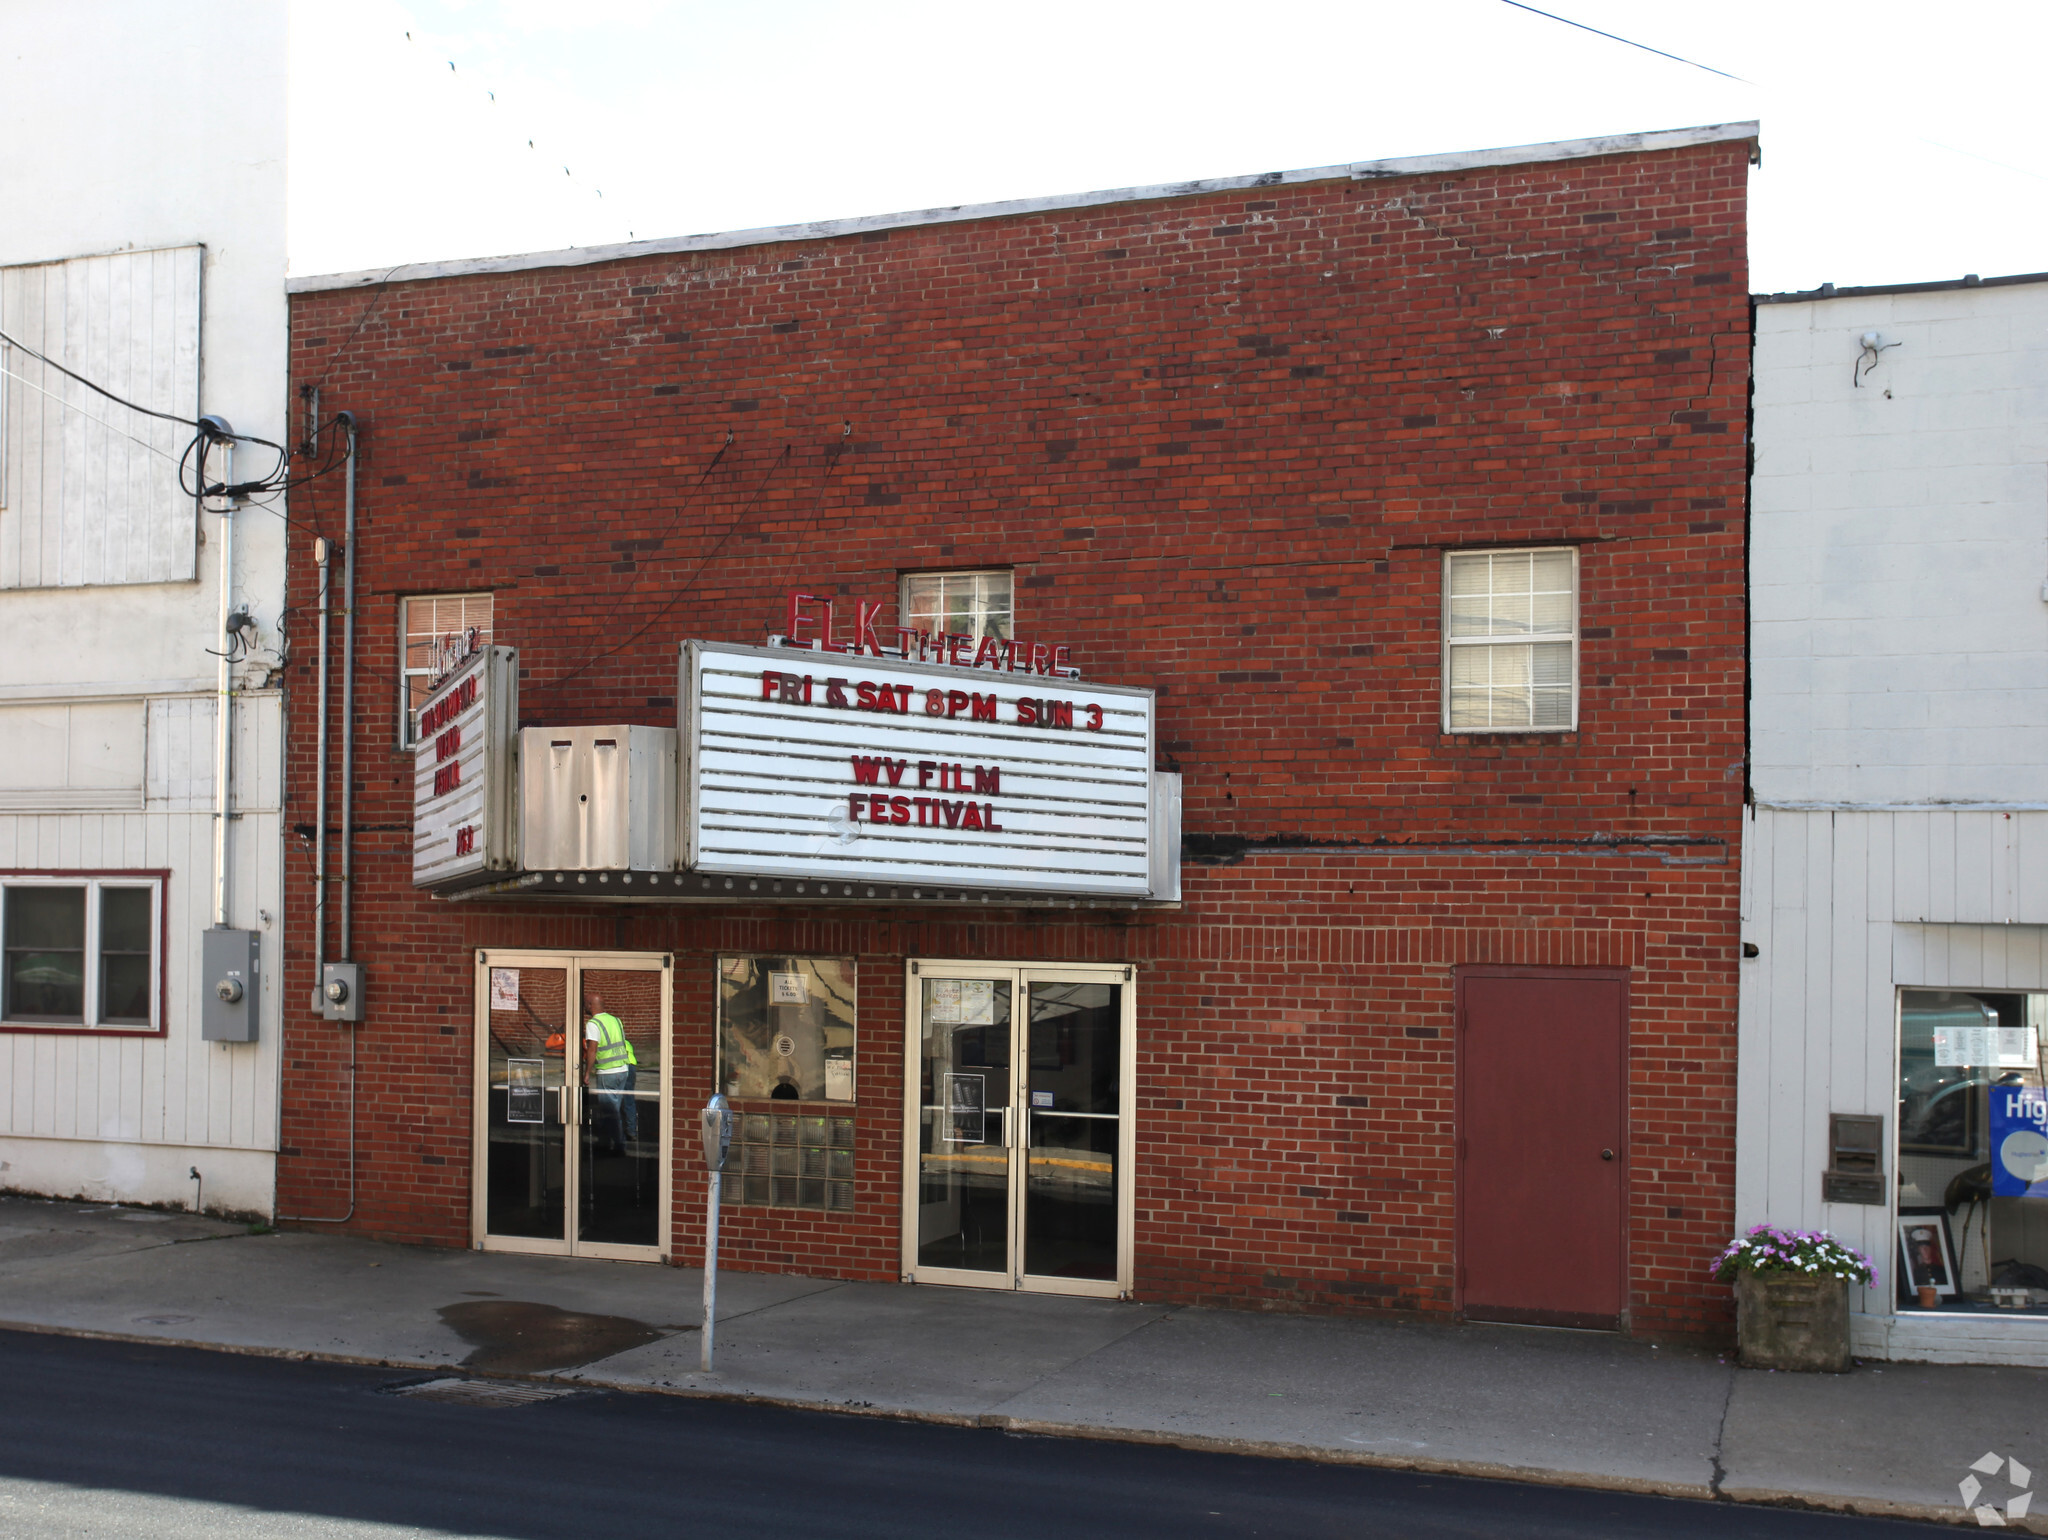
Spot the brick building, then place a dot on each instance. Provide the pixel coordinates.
(1396, 508)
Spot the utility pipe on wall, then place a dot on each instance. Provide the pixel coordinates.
(224, 699)
(348, 692)
(323, 553)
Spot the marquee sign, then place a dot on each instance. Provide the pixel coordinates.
(800, 763)
(465, 774)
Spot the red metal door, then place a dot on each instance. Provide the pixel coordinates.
(1541, 1066)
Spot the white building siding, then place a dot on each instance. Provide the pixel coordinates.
(174, 1089)
(1900, 548)
(132, 207)
(89, 491)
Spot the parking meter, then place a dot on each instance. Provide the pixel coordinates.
(716, 1119)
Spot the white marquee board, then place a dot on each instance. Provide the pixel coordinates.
(772, 781)
(465, 771)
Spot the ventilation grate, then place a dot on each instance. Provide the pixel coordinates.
(461, 1392)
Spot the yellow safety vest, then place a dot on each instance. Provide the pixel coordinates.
(614, 1053)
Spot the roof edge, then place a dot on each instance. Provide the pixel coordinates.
(1829, 291)
(827, 229)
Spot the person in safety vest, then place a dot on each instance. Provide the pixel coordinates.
(611, 1067)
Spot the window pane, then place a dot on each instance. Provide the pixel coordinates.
(45, 948)
(46, 917)
(1469, 613)
(1551, 571)
(124, 920)
(1550, 614)
(1550, 663)
(124, 990)
(786, 1028)
(1468, 574)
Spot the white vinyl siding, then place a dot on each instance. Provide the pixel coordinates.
(1511, 623)
(88, 489)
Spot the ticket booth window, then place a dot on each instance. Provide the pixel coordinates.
(1973, 1153)
(786, 1039)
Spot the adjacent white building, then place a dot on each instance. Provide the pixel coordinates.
(142, 158)
(1895, 866)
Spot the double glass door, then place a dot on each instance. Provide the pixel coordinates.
(572, 1112)
(1019, 1135)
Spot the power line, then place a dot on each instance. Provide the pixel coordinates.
(100, 389)
(1631, 42)
(73, 407)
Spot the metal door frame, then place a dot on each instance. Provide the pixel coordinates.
(1021, 977)
(573, 964)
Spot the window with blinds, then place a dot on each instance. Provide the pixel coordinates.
(1511, 640)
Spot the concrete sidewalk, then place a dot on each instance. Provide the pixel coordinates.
(1567, 1407)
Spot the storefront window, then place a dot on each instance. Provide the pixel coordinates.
(786, 1035)
(1973, 1152)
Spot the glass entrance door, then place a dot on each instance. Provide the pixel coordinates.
(1019, 1165)
(572, 1121)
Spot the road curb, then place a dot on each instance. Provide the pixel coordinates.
(1480, 1470)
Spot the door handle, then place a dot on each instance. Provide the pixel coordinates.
(1607, 1154)
(568, 1110)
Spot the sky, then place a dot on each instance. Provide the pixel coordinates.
(1901, 142)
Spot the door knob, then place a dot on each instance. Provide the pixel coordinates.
(1607, 1154)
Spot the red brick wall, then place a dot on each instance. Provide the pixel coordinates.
(1223, 440)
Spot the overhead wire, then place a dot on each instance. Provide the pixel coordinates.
(1615, 37)
(710, 556)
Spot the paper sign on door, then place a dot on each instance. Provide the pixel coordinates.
(504, 989)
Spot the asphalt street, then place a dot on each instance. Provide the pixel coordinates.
(110, 1440)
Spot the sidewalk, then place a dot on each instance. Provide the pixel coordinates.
(1573, 1408)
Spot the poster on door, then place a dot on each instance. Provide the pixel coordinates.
(2019, 1141)
(504, 989)
(525, 1090)
(967, 1109)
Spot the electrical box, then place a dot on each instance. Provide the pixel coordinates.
(597, 799)
(341, 991)
(1855, 1172)
(230, 985)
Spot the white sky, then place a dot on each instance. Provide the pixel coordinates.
(1901, 141)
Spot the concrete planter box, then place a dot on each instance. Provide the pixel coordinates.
(1788, 1321)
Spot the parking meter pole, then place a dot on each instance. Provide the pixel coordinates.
(716, 1125)
(710, 1266)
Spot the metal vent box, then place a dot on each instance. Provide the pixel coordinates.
(597, 799)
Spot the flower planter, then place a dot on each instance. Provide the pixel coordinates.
(1785, 1320)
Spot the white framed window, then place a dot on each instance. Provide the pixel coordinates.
(971, 604)
(82, 950)
(436, 631)
(1511, 640)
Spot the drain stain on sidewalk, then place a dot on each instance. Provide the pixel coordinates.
(516, 1336)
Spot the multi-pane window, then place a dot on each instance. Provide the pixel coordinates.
(80, 952)
(786, 1055)
(439, 631)
(972, 604)
(1511, 625)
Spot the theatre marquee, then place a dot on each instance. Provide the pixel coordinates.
(841, 766)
